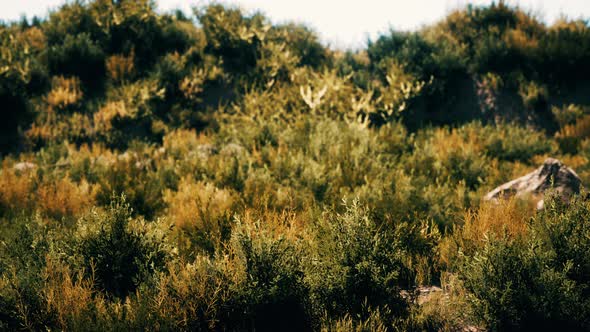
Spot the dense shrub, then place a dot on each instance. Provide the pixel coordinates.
(564, 51)
(532, 280)
(567, 229)
(20, 75)
(119, 258)
(272, 293)
(513, 288)
(355, 263)
(22, 259)
(78, 55)
(515, 143)
(226, 38)
(236, 142)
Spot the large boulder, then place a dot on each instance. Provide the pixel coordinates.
(552, 175)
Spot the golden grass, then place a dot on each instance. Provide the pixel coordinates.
(105, 115)
(505, 218)
(64, 92)
(191, 291)
(518, 39)
(448, 307)
(63, 198)
(120, 67)
(181, 141)
(15, 188)
(580, 129)
(34, 37)
(23, 191)
(198, 205)
(67, 294)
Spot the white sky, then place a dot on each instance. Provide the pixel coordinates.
(341, 23)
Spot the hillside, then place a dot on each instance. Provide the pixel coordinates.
(213, 171)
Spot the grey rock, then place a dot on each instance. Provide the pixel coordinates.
(24, 166)
(233, 150)
(552, 175)
(206, 150)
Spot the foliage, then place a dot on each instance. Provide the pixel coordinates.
(356, 263)
(230, 144)
(118, 258)
(532, 279)
(78, 55)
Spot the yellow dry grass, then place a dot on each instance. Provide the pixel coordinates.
(69, 295)
(198, 205)
(64, 92)
(120, 67)
(103, 118)
(580, 129)
(62, 198)
(505, 218)
(15, 188)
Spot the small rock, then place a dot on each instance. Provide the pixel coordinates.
(205, 151)
(232, 150)
(24, 166)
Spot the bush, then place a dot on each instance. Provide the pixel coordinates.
(79, 55)
(15, 115)
(272, 293)
(536, 279)
(570, 136)
(235, 141)
(22, 258)
(21, 75)
(232, 37)
(514, 143)
(303, 42)
(514, 287)
(534, 96)
(201, 210)
(567, 227)
(117, 257)
(72, 19)
(564, 51)
(129, 115)
(355, 263)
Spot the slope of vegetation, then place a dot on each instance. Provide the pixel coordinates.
(214, 171)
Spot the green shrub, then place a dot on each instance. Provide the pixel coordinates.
(272, 293)
(567, 227)
(142, 187)
(535, 280)
(72, 19)
(534, 97)
(117, 257)
(303, 42)
(197, 122)
(568, 114)
(22, 259)
(232, 37)
(563, 51)
(78, 55)
(138, 29)
(515, 143)
(21, 75)
(355, 263)
(516, 286)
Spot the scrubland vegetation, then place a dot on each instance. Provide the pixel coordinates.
(212, 171)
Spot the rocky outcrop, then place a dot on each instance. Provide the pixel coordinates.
(552, 175)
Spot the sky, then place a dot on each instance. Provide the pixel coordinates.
(340, 23)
